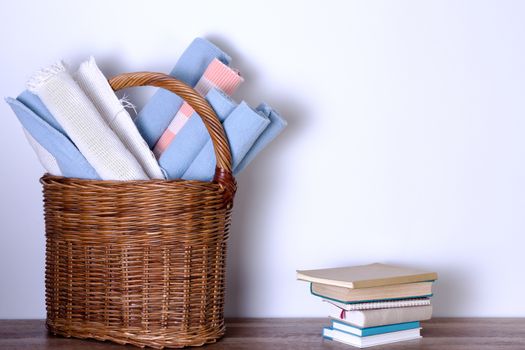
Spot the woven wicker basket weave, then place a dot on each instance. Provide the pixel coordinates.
(140, 262)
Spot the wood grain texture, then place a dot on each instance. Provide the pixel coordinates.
(297, 333)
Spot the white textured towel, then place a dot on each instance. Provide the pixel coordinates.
(46, 159)
(84, 125)
(97, 88)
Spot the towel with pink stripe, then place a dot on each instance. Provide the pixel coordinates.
(217, 75)
(185, 143)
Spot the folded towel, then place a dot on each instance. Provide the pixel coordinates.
(96, 87)
(217, 76)
(222, 105)
(47, 160)
(180, 119)
(31, 101)
(191, 139)
(243, 126)
(56, 152)
(158, 112)
(277, 124)
(84, 125)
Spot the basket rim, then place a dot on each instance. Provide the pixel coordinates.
(226, 188)
(48, 178)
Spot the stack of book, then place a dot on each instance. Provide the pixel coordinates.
(373, 304)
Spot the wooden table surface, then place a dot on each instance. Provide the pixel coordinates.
(297, 333)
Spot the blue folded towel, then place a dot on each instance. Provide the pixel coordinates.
(190, 140)
(243, 127)
(277, 124)
(34, 103)
(158, 112)
(44, 129)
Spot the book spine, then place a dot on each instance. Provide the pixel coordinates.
(325, 331)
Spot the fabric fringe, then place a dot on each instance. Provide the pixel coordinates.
(43, 75)
(126, 103)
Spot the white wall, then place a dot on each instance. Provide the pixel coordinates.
(405, 140)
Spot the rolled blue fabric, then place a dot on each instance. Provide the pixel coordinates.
(277, 124)
(158, 112)
(33, 102)
(243, 127)
(190, 140)
(68, 158)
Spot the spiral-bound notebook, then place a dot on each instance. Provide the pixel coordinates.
(381, 304)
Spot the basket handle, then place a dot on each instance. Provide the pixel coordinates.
(223, 173)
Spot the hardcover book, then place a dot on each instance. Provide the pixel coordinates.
(368, 331)
(380, 317)
(364, 342)
(366, 276)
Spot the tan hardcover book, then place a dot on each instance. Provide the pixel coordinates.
(365, 276)
(398, 291)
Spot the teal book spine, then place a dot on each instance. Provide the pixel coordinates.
(324, 333)
(365, 332)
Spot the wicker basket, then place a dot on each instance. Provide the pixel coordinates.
(140, 262)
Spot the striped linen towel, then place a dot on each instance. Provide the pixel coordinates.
(160, 109)
(217, 76)
(182, 151)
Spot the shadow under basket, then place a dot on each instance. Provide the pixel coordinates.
(140, 262)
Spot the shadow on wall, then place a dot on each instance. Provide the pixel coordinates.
(113, 63)
(452, 291)
(255, 183)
